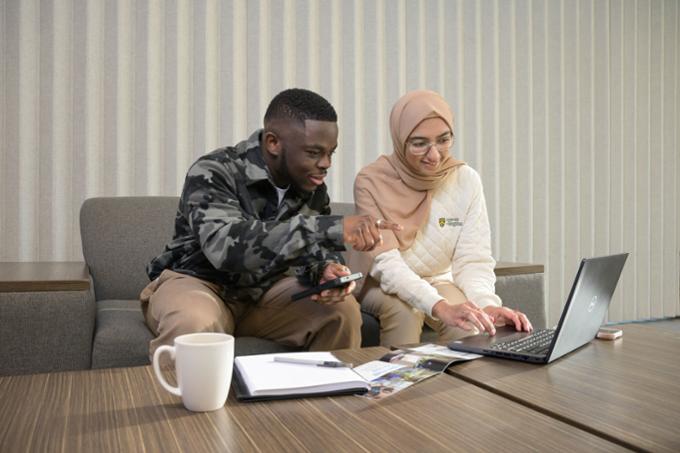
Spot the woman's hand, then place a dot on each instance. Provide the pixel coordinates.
(507, 316)
(467, 316)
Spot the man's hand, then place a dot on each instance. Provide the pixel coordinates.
(467, 316)
(363, 231)
(335, 295)
(502, 316)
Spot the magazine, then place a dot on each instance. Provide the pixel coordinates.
(401, 368)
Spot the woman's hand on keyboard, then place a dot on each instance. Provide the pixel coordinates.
(507, 316)
(467, 316)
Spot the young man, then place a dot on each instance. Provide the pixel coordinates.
(253, 227)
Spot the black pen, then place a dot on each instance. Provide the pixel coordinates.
(324, 363)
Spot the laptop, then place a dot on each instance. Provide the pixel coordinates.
(581, 318)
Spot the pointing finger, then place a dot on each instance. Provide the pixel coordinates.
(388, 225)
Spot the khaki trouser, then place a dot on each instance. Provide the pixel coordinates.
(402, 324)
(175, 304)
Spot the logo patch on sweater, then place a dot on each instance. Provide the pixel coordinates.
(452, 222)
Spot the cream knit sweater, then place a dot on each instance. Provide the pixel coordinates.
(453, 246)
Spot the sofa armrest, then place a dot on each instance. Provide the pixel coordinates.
(47, 315)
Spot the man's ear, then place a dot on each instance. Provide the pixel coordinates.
(272, 143)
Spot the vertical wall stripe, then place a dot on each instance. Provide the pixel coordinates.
(290, 51)
(48, 136)
(568, 110)
(28, 127)
(673, 304)
(239, 69)
(618, 226)
(154, 105)
(495, 143)
(671, 163)
(439, 64)
(656, 181)
(212, 72)
(197, 28)
(334, 68)
(511, 248)
(478, 100)
(184, 90)
(381, 124)
(276, 41)
(4, 144)
(628, 183)
(171, 96)
(93, 98)
(124, 95)
(400, 30)
(421, 32)
(10, 139)
(62, 95)
(263, 68)
(357, 151)
(459, 70)
(529, 231)
(312, 44)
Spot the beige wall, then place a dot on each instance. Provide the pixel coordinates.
(569, 110)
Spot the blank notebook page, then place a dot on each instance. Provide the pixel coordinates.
(263, 376)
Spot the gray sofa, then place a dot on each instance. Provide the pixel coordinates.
(120, 235)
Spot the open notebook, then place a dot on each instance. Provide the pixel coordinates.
(259, 377)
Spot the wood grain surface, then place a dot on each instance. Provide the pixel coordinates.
(627, 390)
(506, 268)
(125, 409)
(43, 276)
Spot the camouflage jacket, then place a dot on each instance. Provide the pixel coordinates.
(230, 230)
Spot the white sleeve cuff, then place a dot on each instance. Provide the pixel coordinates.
(428, 302)
(488, 300)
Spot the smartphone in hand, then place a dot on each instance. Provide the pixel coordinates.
(335, 283)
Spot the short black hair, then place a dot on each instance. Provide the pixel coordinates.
(300, 105)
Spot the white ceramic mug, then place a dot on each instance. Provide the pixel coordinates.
(204, 363)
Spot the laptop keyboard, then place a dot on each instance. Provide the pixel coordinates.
(536, 343)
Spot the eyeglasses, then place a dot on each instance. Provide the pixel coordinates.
(420, 147)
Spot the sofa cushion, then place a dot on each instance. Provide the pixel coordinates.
(122, 337)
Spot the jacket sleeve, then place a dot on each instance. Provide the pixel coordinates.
(473, 265)
(236, 242)
(311, 273)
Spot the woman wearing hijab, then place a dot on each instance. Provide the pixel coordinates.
(438, 269)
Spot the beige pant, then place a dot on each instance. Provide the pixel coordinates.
(175, 304)
(402, 324)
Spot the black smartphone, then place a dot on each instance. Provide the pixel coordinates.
(335, 283)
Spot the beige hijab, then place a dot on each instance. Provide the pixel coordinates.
(390, 188)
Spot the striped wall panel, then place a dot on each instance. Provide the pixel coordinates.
(568, 109)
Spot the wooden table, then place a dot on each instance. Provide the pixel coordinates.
(43, 276)
(125, 409)
(626, 391)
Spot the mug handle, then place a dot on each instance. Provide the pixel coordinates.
(157, 368)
